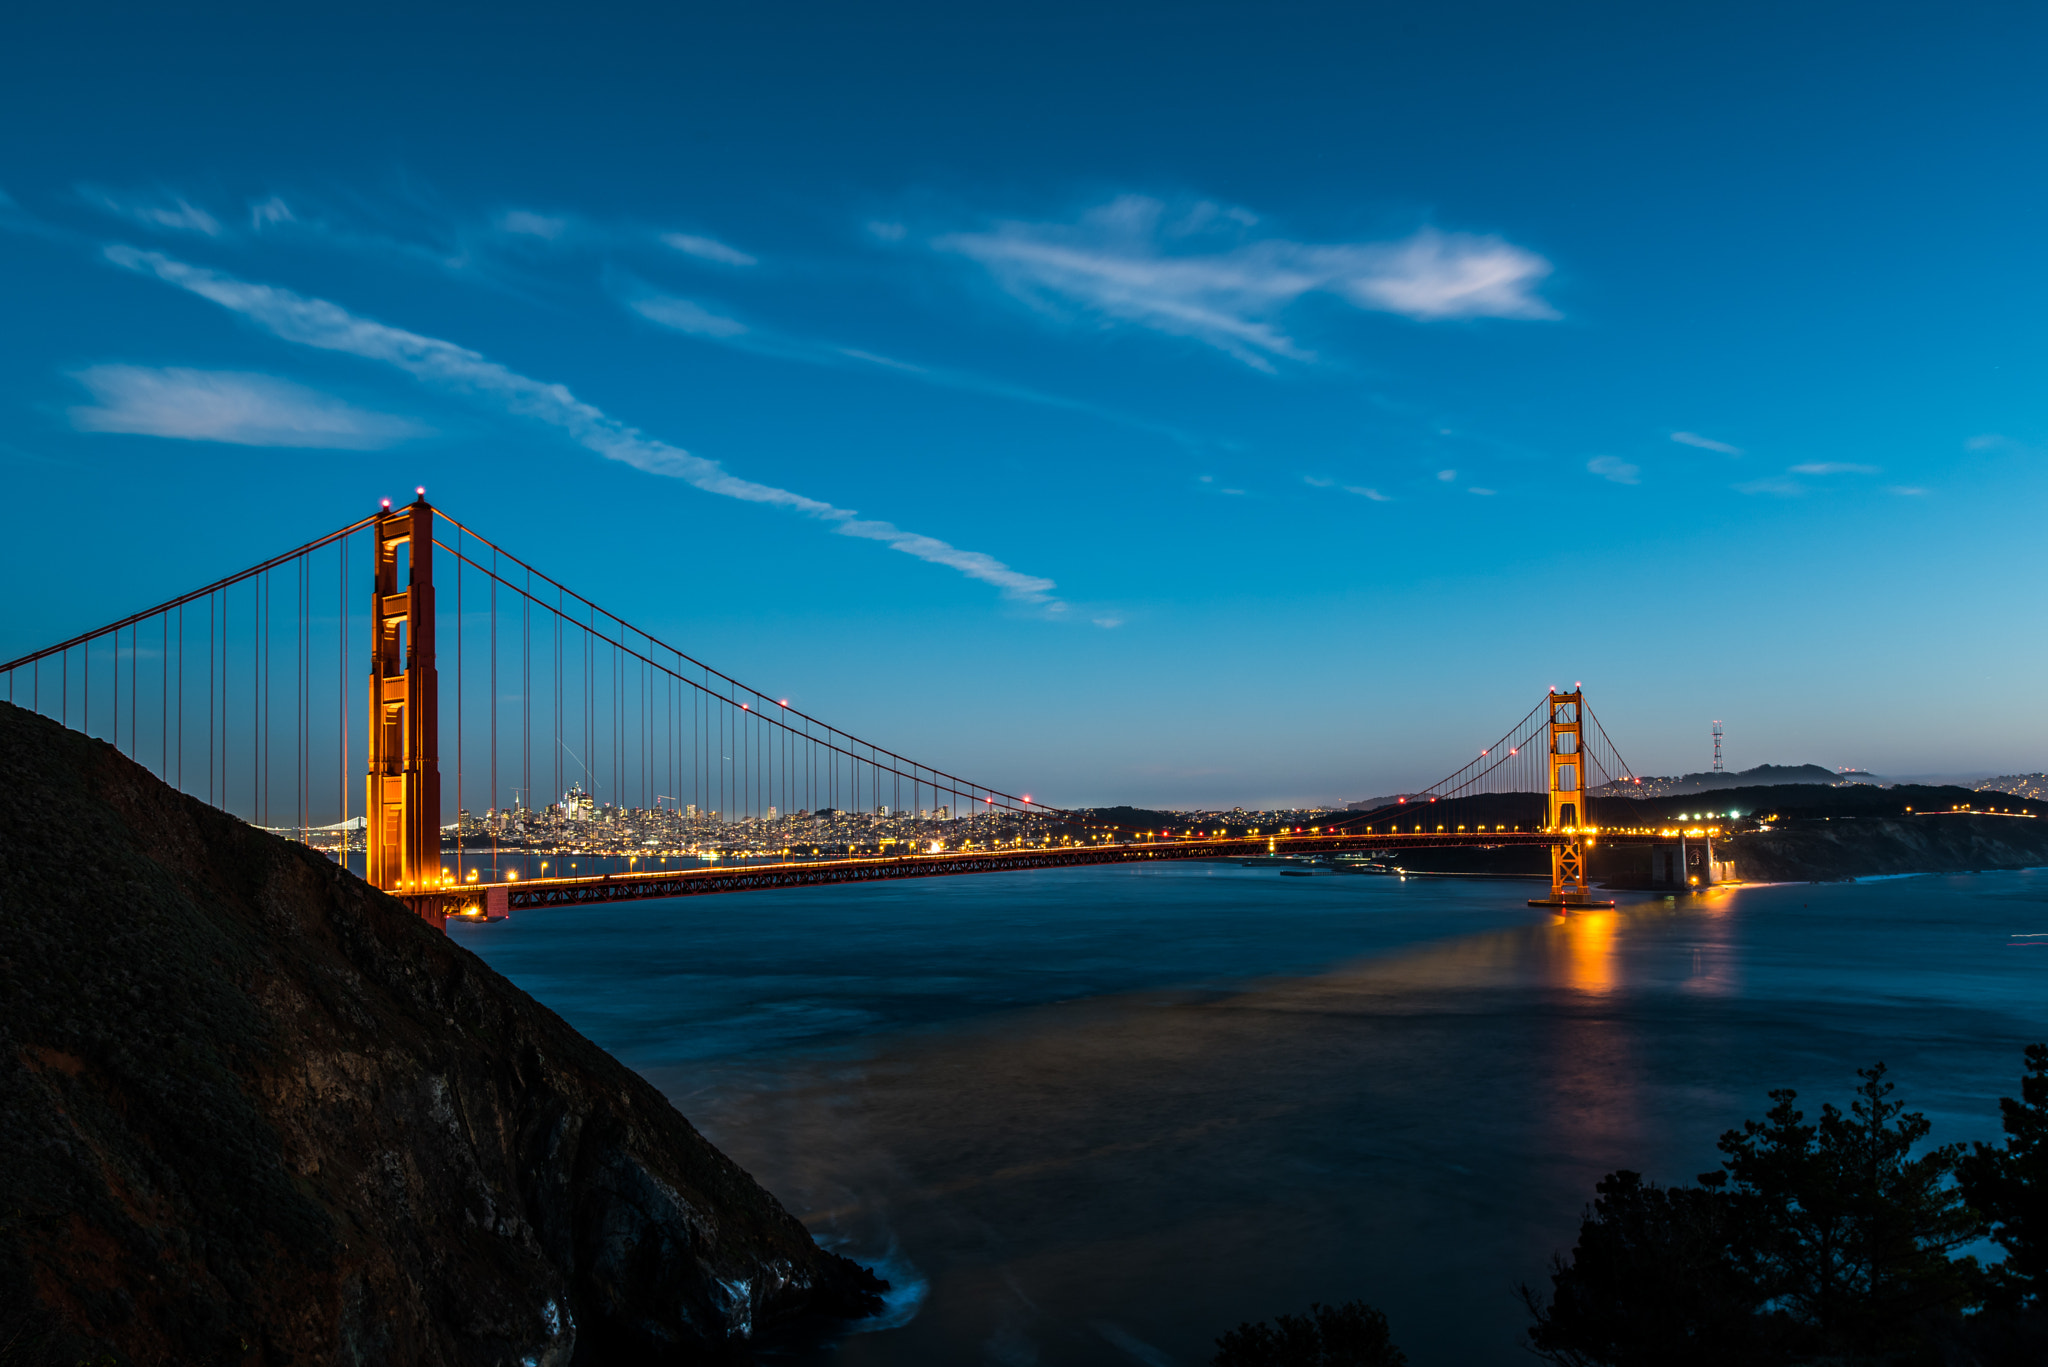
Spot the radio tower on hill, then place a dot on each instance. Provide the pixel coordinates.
(1717, 747)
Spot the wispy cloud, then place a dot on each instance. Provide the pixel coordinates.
(1363, 492)
(1483, 493)
(229, 406)
(694, 319)
(1833, 467)
(708, 249)
(1127, 261)
(685, 315)
(1447, 476)
(1615, 469)
(1998, 441)
(270, 212)
(1778, 486)
(891, 362)
(327, 326)
(1906, 490)
(526, 223)
(173, 212)
(1705, 443)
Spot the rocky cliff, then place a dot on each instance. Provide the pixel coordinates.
(1851, 847)
(252, 1111)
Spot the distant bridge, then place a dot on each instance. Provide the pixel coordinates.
(246, 701)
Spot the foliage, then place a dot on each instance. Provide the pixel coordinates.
(1650, 1284)
(1831, 1241)
(2009, 1187)
(1839, 1226)
(1349, 1335)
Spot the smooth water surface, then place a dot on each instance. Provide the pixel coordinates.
(1102, 1115)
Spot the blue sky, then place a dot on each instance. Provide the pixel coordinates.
(1181, 404)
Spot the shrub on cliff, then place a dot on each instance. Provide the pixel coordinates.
(2009, 1187)
(1651, 1284)
(1845, 1231)
(1830, 1241)
(1349, 1335)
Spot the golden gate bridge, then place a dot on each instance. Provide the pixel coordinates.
(246, 693)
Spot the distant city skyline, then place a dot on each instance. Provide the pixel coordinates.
(1191, 407)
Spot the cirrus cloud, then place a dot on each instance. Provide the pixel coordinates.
(1833, 467)
(1705, 443)
(684, 315)
(329, 327)
(1615, 470)
(1127, 261)
(1777, 486)
(233, 406)
(177, 214)
(526, 223)
(707, 249)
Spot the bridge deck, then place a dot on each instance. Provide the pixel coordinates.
(475, 900)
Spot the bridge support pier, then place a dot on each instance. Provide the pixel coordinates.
(1686, 864)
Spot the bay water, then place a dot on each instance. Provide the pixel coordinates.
(1100, 1116)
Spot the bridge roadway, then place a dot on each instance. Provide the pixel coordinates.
(497, 899)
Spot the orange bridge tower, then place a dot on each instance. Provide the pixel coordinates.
(1568, 815)
(404, 803)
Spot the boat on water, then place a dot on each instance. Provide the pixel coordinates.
(1296, 865)
(1352, 863)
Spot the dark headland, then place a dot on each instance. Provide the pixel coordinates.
(253, 1111)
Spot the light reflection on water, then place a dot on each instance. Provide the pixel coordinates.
(1106, 1114)
(1590, 937)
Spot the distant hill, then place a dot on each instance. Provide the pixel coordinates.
(1373, 804)
(1762, 776)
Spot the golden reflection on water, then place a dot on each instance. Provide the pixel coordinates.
(1589, 960)
(1713, 967)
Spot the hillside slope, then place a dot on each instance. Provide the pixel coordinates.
(253, 1111)
(1860, 847)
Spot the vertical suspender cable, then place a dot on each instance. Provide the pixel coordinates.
(526, 691)
(561, 624)
(341, 691)
(181, 697)
(299, 698)
(209, 697)
(256, 786)
(461, 803)
(493, 807)
(590, 710)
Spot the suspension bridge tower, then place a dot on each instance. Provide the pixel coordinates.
(403, 808)
(1569, 885)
